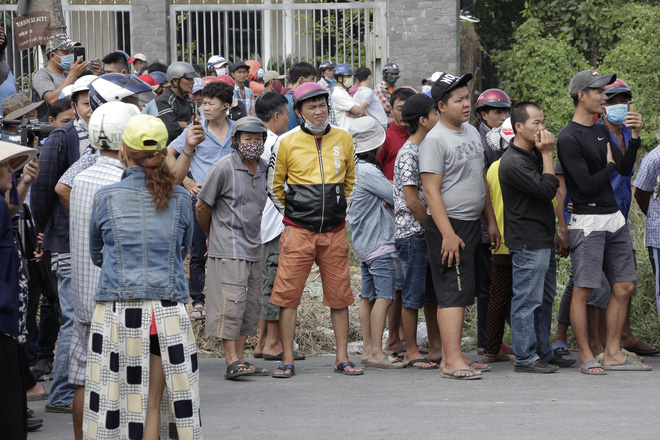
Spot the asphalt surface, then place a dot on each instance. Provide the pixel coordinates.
(410, 403)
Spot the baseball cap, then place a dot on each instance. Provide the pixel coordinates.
(271, 75)
(446, 82)
(60, 42)
(415, 107)
(198, 85)
(137, 56)
(618, 86)
(238, 65)
(367, 134)
(149, 80)
(589, 79)
(145, 133)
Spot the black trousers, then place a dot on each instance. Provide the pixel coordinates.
(467, 6)
(13, 402)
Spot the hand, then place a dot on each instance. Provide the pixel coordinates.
(31, 171)
(206, 254)
(565, 249)
(40, 239)
(192, 186)
(95, 67)
(77, 68)
(451, 247)
(569, 207)
(195, 135)
(545, 141)
(495, 238)
(610, 159)
(634, 122)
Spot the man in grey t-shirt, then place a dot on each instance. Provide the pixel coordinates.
(456, 191)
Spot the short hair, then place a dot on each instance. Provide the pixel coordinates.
(199, 70)
(362, 73)
(445, 96)
(116, 58)
(157, 67)
(520, 114)
(59, 106)
(400, 94)
(298, 70)
(270, 103)
(221, 90)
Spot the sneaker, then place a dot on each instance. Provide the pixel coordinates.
(537, 366)
(34, 424)
(59, 409)
(561, 362)
(466, 16)
(43, 366)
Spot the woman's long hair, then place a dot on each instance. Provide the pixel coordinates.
(160, 181)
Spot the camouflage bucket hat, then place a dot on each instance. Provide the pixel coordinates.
(60, 42)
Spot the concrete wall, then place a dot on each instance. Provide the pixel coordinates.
(150, 29)
(423, 38)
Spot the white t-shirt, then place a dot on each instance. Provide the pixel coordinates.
(374, 107)
(271, 219)
(342, 103)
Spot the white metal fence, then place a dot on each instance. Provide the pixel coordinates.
(280, 34)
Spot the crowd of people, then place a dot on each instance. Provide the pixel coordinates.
(253, 177)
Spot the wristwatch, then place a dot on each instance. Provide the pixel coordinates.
(185, 153)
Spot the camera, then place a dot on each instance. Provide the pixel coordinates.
(31, 131)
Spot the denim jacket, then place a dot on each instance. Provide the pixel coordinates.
(372, 225)
(143, 250)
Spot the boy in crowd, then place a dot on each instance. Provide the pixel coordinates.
(345, 107)
(299, 74)
(364, 94)
(396, 135)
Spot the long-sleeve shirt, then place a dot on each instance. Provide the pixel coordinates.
(582, 151)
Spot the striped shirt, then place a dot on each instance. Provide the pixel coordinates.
(84, 274)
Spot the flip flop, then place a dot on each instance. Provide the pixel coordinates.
(488, 367)
(452, 374)
(258, 356)
(341, 369)
(561, 349)
(632, 355)
(414, 362)
(36, 397)
(642, 348)
(258, 371)
(234, 370)
(279, 357)
(593, 363)
(198, 312)
(399, 353)
(385, 364)
(284, 374)
(629, 364)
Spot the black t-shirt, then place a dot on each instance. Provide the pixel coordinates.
(172, 109)
(582, 151)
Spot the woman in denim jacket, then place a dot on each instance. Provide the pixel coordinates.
(141, 338)
(372, 228)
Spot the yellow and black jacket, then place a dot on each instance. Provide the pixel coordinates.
(318, 180)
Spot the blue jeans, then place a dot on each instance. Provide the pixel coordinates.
(379, 278)
(414, 258)
(534, 286)
(197, 265)
(61, 393)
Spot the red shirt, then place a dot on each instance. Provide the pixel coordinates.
(395, 137)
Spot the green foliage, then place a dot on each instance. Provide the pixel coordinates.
(538, 68)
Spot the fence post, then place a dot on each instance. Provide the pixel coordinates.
(150, 29)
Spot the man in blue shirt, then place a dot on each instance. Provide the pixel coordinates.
(217, 129)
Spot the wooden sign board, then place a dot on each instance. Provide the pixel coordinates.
(31, 29)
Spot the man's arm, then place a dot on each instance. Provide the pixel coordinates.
(203, 211)
(413, 203)
(451, 243)
(30, 173)
(64, 193)
(77, 68)
(358, 110)
(42, 196)
(563, 227)
(643, 199)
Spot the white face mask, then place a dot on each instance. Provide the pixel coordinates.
(221, 71)
(316, 129)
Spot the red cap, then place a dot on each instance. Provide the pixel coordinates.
(227, 79)
(148, 79)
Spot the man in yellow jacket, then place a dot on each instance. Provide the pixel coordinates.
(310, 176)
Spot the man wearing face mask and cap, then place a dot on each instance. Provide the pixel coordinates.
(387, 86)
(316, 161)
(344, 106)
(62, 70)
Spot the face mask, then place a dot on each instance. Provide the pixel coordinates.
(34, 121)
(316, 129)
(616, 113)
(65, 61)
(221, 71)
(260, 73)
(391, 79)
(332, 81)
(81, 122)
(252, 150)
(348, 81)
(426, 89)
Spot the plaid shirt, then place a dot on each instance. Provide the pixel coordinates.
(247, 99)
(647, 180)
(84, 274)
(329, 87)
(382, 90)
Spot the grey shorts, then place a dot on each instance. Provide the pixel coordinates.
(601, 251)
(78, 353)
(233, 293)
(269, 263)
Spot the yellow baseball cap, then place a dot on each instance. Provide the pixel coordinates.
(145, 133)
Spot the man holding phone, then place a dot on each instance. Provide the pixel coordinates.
(216, 127)
(63, 69)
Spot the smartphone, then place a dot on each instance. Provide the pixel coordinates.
(196, 119)
(631, 106)
(79, 51)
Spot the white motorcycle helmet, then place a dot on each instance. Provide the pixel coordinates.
(219, 64)
(107, 124)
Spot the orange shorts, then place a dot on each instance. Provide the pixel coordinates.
(299, 249)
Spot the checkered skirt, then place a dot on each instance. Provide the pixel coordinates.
(117, 385)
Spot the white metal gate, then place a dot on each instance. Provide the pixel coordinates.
(280, 34)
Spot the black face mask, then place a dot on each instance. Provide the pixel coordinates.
(391, 79)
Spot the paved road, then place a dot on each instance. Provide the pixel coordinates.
(409, 403)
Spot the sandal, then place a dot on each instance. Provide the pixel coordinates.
(257, 371)
(341, 369)
(237, 369)
(198, 312)
(284, 374)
